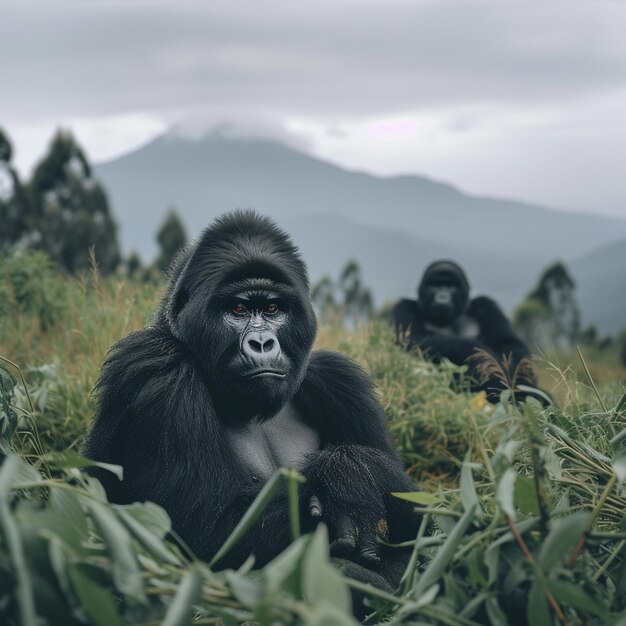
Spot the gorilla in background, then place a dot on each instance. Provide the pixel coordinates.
(444, 323)
(221, 389)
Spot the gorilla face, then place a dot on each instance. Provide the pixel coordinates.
(241, 305)
(268, 335)
(443, 293)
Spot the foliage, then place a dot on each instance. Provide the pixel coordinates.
(347, 302)
(549, 314)
(171, 238)
(523, 509)
(62, 210)
(62, 331)
(28, 285)
(13, 206)
(621, 342)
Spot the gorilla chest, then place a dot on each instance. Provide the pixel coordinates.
(464, 326)
(282, 441)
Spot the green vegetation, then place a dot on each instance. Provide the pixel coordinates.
(524, 510)
(63, 211)
(171, 237)
(549, 314)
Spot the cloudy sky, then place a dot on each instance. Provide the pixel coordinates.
(521, 99)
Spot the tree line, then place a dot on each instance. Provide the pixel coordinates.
(64, 211)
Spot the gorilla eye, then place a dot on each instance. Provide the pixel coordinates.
(271, 309)
(240, 309)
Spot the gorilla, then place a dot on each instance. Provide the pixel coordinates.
(222, 388)
(445, 323)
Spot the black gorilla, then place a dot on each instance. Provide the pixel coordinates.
(221, 389)
(444, 322)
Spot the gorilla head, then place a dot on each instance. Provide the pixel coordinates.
(239, 300)
(443, 293)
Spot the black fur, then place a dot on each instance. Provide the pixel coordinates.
(416, 326)
(171, 397)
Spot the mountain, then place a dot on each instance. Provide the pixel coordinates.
(601, 286)
(393, 226)
(392, 261)
(204, 178)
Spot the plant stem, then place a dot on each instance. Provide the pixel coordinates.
(580, 354)
(592, 519)
(529, 557)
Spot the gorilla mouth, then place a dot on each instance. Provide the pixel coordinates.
(262, 373)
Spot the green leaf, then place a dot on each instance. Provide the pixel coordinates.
(495, 613)
(621, 404)
(417, 497)
(539, 613)
(444, 555)
(619, 466)
(505, 492)
(180, 610)
(255, 511)
(575, 596)
(98, 603)
(154, 544)
(560, 542)
(15, 470)
(12, 540)
(525, 496)
(620, 438)
(508, 449)
(247, 591)
(327, 615)
(492, 554)
(149, 515)
(69, 459)
(283, 573)
(125, 570)
(469, 497)
(67, 504)
(321, 582)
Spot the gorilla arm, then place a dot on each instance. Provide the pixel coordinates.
(155, 418)
(357, 468)
(498, 334)
(411, 332)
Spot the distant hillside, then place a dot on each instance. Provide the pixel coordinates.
(601, 286)
(392, 261)
(205, 178)
(392, 226)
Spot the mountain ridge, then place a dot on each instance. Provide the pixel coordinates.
(392, 225)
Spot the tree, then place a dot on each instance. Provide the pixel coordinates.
(621, 342)
(171, 238)
(71, 209)
(15, 214)
(323, 297)
(550, 312)
(347, 300)
(532, 322)
(357, 300)
(589, 336)
(133, 263)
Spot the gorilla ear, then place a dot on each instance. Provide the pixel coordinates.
(181, 299)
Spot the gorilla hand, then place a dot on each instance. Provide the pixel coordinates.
(353, 534)
(348, 488)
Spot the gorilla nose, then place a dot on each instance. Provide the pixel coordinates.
(443, 297)
(261, 346)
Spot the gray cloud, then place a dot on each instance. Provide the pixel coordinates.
(530, 95)
(358, 58)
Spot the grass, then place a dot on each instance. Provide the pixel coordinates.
(525, 509)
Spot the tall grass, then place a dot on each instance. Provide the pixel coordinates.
(524, 509)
